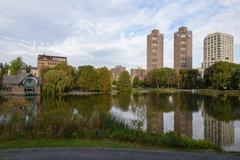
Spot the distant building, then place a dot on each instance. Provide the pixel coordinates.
(117, 71)
(46, 61)
(217, 47)
(138, 72)
(183, 49)
(22, 84)
(34, 71)
(154, 50)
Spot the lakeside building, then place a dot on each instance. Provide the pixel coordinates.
(217, 47)
(22, 84)
(155, 56)
(183, 49)
(47, 61)
(117, 71)
(138, 72)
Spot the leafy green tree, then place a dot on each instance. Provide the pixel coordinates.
(104, 81)
(137, 82)
(153, 78)
(164, 77)
(190, 78)
(64, 67)
(3, 71)
(124, 83)
(69, 70)
(44, 71)
(56, 82)
(15, 66)
(218, 75)
(88, 78)
(235, 78)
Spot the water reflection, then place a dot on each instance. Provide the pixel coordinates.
(183, 122)
(151, 113)
(220, 133)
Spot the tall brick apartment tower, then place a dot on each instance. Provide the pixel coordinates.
(183, 49)
(154, 50)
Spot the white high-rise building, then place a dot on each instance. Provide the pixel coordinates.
(217, 47)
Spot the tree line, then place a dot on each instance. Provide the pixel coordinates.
(221, 75)
(63, 78)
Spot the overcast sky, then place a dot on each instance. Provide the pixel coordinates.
(110, 32)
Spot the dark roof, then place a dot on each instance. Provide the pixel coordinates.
(17, 79)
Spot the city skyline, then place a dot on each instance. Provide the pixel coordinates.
(112, 34)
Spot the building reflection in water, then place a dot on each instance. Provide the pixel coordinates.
(155, 122)
(183, 122)
(218, 132)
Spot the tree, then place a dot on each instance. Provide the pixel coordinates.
(137, 82)
(235, 78)
(15, 66)
(164, 77)
(88, 78)
(64, 67)
(218, 75)
(56, 82)
(104, 80)
(190, 78)
(124, 83)
(3, 71)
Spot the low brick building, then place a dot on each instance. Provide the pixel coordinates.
(22, 84)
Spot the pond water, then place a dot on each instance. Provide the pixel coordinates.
(216, 119)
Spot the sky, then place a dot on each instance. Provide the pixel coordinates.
(110, 32)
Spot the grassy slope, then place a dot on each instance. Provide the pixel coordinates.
(52, 143)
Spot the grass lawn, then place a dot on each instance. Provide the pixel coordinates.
(53, 143)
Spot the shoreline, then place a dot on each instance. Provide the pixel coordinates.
(91, 143)
(206, 92)
(136, 91)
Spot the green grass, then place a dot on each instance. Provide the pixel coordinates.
(1, 157)
(110, 135)
(75, 143)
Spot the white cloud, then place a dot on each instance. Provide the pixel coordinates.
(108, 33)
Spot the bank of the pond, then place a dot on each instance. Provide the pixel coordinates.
(207, 92)
(103, 143)
(211, 92)
(109, 129)
(59, 143)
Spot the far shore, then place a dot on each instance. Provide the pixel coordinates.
(207, 92)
